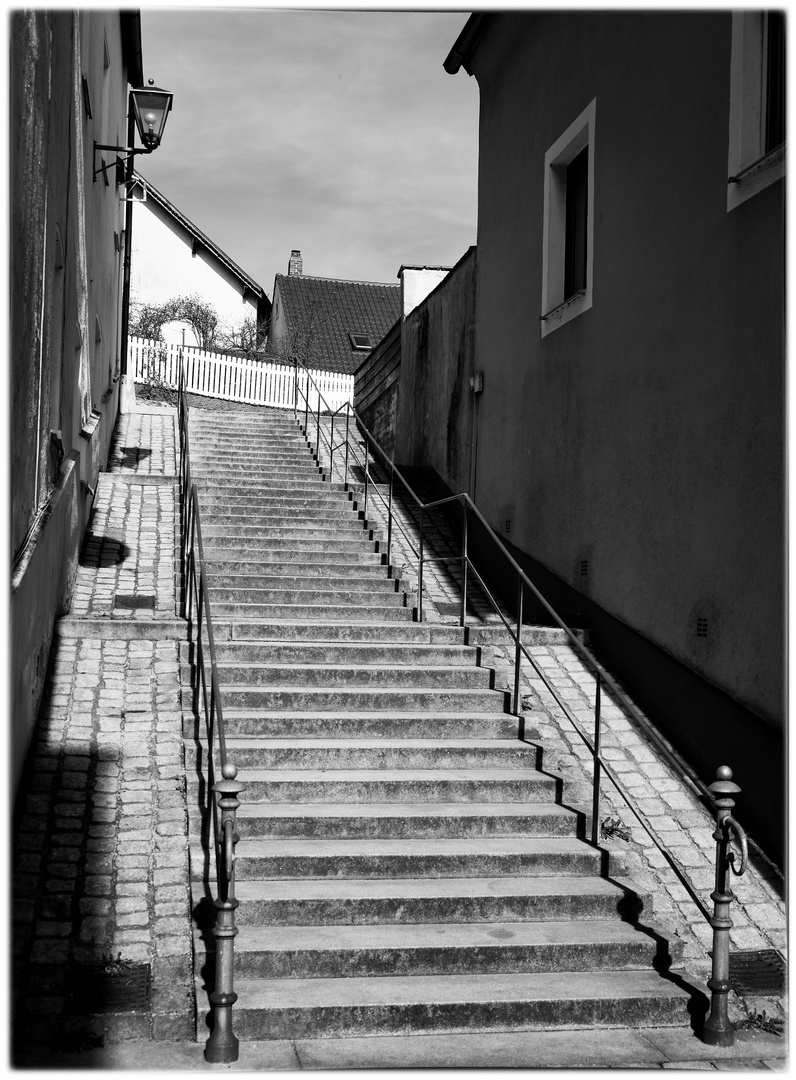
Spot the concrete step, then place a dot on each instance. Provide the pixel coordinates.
(335, 699)
(297, 529)
(384, 632)
(282, 449)
(408, 1004)
(364, 563)
(405, 820)
(369, 901)
(354, 674)
(293, 461)
(366, 592)
(417, 857)
(369, 725)
(214, 485)
(302, 576)
(345, 653)
(276, 516)
(355, 613)
(398, 786)
(346, 754)
(352, 550)
(301, 952)
(262, 499)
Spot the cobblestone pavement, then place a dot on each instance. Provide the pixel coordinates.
(100, 854)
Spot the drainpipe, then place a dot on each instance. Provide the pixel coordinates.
(127, 393)
(477, 387)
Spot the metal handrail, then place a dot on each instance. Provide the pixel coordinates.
(221, 795)
(717, 1027)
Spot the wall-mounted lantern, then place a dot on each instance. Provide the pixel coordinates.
(150, 106)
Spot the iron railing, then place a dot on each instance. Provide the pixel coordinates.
(219, 788)
(717, 1029)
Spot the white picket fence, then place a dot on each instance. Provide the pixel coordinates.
(232, 378)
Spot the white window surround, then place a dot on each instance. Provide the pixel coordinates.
(747, 76)
(558, 309)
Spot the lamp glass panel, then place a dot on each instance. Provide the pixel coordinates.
(151, 108)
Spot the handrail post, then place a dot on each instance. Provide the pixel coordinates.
(518, 651)
(295, 389)
(420, 573)
(222, 1044)
(465, 566)
(389, 518)
(367, 480)
(719, 1029)
(331, 452)
(318, 429)
(347, 425)
(595, 795)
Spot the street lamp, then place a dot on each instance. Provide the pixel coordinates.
(150, 106)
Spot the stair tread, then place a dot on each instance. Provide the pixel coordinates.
(329, 847)
(451, 989)
(499, 745)
(424, 887)
(389, 775)
(438, 935)
(231, 713)
(418, 810)
(290, 667)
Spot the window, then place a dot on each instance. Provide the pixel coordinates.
(576, 231)
(756, 152)
(774, 87)
(361, 342)
(568, 238)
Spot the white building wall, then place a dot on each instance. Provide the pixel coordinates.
(163, 267)
(417, 282)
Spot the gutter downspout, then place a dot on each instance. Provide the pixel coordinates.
(127, 392)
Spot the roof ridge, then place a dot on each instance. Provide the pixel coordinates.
(345, 281)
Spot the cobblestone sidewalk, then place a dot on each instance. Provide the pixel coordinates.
(100, 854)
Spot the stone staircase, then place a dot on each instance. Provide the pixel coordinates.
(405, 865)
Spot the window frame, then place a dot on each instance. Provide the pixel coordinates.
(557, 308)
(750, 167)
(365, 345)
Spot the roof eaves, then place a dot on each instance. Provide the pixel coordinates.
(131, 45)
(467, 42)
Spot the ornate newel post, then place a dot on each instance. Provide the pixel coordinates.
(719, 1030)
(222, 1044)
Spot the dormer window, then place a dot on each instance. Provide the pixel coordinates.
(360, 342)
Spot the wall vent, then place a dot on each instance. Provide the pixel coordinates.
(702, 627)
(584, 568)
(507, 526)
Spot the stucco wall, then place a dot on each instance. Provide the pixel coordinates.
(163, 267)
(646, 435)
(435, 402)
(376, 389)
(65, 316)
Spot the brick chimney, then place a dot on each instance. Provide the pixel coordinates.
(295, 266)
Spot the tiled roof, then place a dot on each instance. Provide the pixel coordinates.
(337, 308)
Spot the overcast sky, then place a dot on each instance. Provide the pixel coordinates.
(338, 133)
